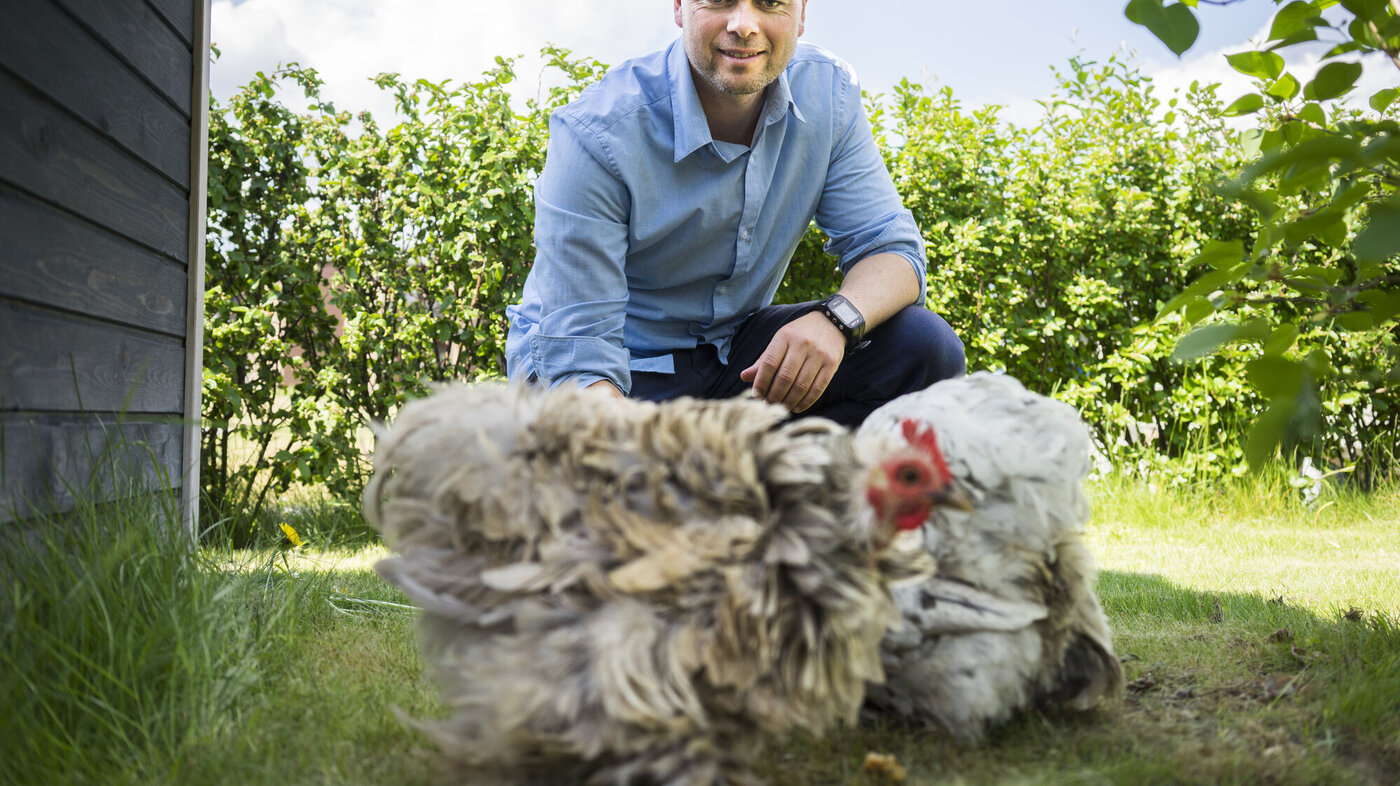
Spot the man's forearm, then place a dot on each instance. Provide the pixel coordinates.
(880, 285)
(605, 386)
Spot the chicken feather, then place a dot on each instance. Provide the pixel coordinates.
(625, 592)
(1010, 617)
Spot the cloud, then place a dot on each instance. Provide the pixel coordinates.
(351, 41)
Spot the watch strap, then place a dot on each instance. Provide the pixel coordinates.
(853, 330)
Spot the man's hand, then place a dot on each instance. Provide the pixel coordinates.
(799, 362)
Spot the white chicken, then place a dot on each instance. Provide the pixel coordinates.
(1010, 617)
(622, 592)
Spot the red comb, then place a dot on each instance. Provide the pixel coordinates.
(921, 436)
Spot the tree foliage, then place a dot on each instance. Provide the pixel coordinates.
(1314, 296)
(350, 264)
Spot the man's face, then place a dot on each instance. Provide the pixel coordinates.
(739, 47)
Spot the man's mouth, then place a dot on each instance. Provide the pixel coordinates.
(739, 54)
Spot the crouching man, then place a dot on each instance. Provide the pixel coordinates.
(673, 196)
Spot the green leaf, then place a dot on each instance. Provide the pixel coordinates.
(1364, 35)
(1252, 141)
(1276, 377)
(1294, 19)
(1366, 9)
(1204, 340)
(1380, 239)
(1321, 224)
(1384, 98)
(1263, 65)
(1284, 88)
(1204, 285)
(1349, 195)
(1304, 161)
(1219, 254)
(1333, 80)
(1267, 432)
(1343, 49)
(1301, 37)
(1197, 310)
(1356, 321)
(1175, 25)
(1383, 305)
(1244, 105)
(1281, 340)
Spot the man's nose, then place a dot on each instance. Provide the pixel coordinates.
(743, 20)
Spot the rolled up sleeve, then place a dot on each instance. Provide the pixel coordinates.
(860, 210)
(581, 230)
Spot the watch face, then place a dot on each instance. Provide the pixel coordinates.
(844, 311)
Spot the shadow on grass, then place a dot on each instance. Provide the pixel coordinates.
(1222, 688)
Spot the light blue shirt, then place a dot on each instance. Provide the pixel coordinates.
(651, 236)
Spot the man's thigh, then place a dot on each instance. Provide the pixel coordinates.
(695, 373)
(749, 343)
(908, 352)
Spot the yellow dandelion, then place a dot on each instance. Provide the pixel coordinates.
(291, 534)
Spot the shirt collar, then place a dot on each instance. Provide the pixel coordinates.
(692, 130)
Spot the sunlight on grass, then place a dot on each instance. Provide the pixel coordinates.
(1340, 554)
(1259, 636)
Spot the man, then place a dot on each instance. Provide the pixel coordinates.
(674, 193)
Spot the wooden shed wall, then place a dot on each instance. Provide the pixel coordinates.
(103, 137)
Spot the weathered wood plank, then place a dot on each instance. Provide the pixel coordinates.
(47, 461)
(46, 152)
(180, 15)
(137, 34)
(49, 257)
(194, 332)
(47, 49)
(53, 362)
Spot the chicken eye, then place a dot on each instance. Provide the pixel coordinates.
(909, 475)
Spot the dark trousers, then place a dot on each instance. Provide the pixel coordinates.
(908, 352)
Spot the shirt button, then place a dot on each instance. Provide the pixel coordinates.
(721, 289)
(745, 235)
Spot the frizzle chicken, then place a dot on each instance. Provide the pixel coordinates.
(622, 592)
(1009, 618)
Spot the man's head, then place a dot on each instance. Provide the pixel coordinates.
(738, 47)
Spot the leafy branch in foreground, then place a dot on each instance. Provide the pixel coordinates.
(1321, 279)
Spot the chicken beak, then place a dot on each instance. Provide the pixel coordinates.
(951, 495)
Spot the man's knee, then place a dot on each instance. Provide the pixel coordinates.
(923, 343)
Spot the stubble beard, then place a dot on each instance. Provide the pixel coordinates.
(738, 85)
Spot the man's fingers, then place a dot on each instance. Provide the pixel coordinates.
(798, 364)
(763, 373)
(785, 381)
(816, 389)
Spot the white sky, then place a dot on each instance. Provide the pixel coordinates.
(988, 52)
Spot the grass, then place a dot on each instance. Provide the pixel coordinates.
(1260, 639)
(1260, 643)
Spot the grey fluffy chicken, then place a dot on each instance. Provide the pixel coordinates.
(621, 592)
(1010, 618)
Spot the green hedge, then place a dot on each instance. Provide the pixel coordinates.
(359, 263)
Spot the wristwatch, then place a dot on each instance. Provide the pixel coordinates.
(845, 316)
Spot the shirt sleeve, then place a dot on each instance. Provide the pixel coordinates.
(860, 210)
(581, 226)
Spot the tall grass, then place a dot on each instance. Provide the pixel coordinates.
(122, 648)
(127, 655)
(317, 516)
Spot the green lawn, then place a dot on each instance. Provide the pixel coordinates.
(1260, 640)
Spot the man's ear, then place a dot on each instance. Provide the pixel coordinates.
(680, 20)
(801, 19)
